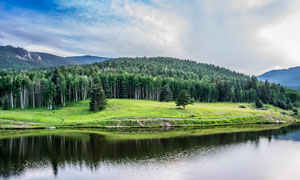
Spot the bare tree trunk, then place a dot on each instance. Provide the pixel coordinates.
(61, 99)
(33, 100)
(50, 106)
(25, 97)
(69, 93)
(115, 90)
(85, 94)
(21, 98)
(11, 100)
(40, 93)
(82, 93)
(76, 94)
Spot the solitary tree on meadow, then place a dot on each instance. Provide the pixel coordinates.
(183, 99)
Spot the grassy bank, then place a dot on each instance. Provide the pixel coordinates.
(144, 133)
(142, 113)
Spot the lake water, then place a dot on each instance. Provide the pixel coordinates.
(265, 155)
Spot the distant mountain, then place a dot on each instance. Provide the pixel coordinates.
(287, 77)
(18, 58)
(21, 59)
(53, 60)
(87, 59)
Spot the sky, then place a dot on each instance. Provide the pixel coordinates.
(248, 36)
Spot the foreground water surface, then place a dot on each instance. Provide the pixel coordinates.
(272, 154)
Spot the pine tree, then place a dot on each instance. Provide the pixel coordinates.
(166, 94)
(98, 99)
(123, 87)
(56, 79)
(106, 88)
(183, 99)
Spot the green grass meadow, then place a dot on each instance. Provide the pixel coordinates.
(127, 113)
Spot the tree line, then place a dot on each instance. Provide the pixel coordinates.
(160, 79)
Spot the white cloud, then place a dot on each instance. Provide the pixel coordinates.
(246, 36)
(250, 4)
(283, 38)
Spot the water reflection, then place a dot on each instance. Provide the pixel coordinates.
(91, 152)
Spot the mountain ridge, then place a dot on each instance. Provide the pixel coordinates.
(87, 59)
(288, 77)
(21, 59)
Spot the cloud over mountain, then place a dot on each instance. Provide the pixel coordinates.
(250, 37)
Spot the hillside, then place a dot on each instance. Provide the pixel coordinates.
(286, 77)
(18, 58)
(139, 78)
(167, 67)
(21, 59)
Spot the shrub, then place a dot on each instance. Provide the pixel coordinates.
(296, 111)
(297, 104)
(283, 113)
(258, 103)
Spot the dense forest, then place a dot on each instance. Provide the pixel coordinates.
(139, 78)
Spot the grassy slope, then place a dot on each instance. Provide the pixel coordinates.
(124, 112)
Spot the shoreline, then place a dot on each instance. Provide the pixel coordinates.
(169, 123)
(142, 133)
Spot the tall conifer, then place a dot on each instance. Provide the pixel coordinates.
(166, 94)
(98, 98)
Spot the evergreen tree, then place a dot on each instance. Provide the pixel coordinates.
(183, 99)
(166, 94)
(106, 88)
(123, 90)
(56, 79)
(252, 95)
(98, 99)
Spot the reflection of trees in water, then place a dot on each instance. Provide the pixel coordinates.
(17, 154)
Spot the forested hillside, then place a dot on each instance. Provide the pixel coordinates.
(166, 67)
(18, 58)
(139, 78)
(21, 59)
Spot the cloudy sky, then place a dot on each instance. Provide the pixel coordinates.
(249, 36)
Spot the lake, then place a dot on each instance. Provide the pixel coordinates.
(263, 155)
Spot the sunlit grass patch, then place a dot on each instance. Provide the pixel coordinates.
(151, 113)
